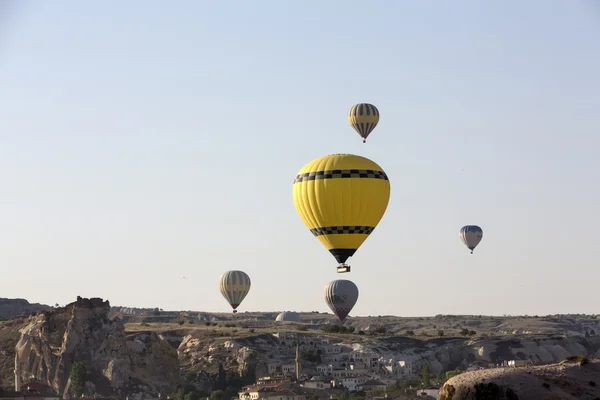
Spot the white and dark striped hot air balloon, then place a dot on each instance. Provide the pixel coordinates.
(234, 286)
(363, 117)
(471, 235)
(341, 295)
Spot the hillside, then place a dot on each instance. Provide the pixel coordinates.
(208, 351)
(440, 325)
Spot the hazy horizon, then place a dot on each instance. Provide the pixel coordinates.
(146, 148)
(328, 312)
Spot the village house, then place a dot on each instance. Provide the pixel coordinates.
(285, 394)
(372, 385)
(432, 392)
(340, 373)
(317, 384)
(285, 338)
(402, 368)
(517, 363)
(273, 368)
(331, 349)
(262, 387)
(288, 369)
(351, 383)
(269, 388)
(324, 369)
(359, 369)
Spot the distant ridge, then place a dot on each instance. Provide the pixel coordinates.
(11, 308)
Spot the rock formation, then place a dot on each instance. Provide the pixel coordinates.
(116, 363)
(10, 308)
(574, 379)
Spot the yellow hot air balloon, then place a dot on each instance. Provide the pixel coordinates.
(363, 117)
(341, 198)
(234, 286)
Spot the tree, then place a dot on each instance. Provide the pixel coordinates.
(179, 395)
(440, 333)
(217, 395)
(587, 334)
(191, 377)
(454, 372)
(221, 379)
(425, 374)
(592, 332)
(78, 378)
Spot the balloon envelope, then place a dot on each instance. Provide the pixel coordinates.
(234, 286)
(341, 198)
(341, 296)
(288, 316)
(471, 235)
(363, 117)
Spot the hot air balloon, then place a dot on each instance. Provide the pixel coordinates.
(341, 296)
(363, 117)
(288, 316)
(341, 198)
(234, 286)
(471, 235)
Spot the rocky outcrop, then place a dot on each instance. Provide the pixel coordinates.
(10, 308)
(574, 379)
(116, 363)
(9, 336)
(253, 354)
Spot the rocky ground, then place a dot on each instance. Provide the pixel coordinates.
(133, 351)
(574, 379)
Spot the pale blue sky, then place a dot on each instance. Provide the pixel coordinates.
(144, 141)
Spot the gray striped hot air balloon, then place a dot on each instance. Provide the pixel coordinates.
(471, 235)
(363, 117)
(234, 286)
(341, 295)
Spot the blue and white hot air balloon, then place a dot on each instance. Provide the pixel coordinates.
(471, 235)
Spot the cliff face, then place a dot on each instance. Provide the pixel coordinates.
(116, 364)
(9, 336)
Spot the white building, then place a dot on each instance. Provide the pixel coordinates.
(433, 392)
(316, 384)
(324, 369)
(273, 368)
(286, 337)
(351, 383)
(517, 363)
(288, 369)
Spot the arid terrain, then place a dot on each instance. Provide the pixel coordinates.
(144, 352)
